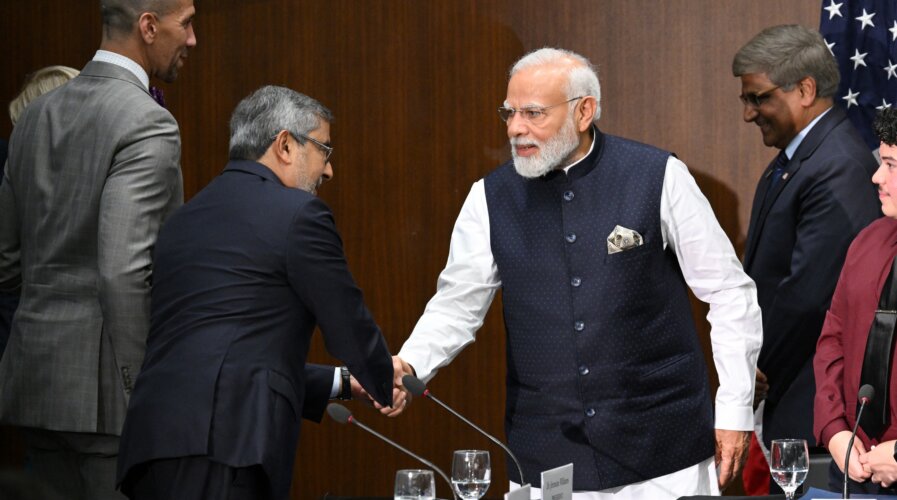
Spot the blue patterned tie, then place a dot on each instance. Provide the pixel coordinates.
(778, 168)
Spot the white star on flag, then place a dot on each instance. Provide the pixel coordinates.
(858, 59)
(866, 19)
(834, 9)
(891, 68)
(830, 47)
(865, 48)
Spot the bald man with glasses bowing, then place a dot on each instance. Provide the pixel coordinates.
(589, 237)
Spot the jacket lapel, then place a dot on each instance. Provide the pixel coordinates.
(763, 200)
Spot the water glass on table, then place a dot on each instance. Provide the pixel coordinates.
(415, 484)
(789, 463)
(471, 473)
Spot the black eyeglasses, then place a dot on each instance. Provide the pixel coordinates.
(532, 114)
(327, 150)
(755, 100)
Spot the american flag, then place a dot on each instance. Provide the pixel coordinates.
(862, 35)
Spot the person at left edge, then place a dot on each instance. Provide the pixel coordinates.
(93, 172)
(243, 274)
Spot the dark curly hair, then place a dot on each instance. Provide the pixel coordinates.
(885, 126)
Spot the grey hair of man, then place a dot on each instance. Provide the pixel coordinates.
(787, 54)
(582, 78)
(264, 113)
(120, 16)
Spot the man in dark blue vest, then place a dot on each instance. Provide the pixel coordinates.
(593, 240)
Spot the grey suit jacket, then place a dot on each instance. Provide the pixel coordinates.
(93, 172)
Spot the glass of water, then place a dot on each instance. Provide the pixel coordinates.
(471, 473)
(789, 463)
(415, 484)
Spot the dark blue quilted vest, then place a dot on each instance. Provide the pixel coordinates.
(604, 365)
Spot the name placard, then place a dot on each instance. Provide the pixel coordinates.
(521, 493)
(557, 484)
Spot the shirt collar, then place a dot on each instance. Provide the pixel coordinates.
(124, 62)
(577, 162)
(792, 146)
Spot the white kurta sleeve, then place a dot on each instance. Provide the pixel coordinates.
(713, 272)
(464, 292)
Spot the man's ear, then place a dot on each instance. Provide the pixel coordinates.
(147, 25)
(587, 109)
(807, 88)
(281, 146)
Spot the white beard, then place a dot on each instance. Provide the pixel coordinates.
(555, 150)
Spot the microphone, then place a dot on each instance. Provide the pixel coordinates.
(342, 415)
(866, 393)
(418, 388)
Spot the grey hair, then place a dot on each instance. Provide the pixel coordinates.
(582, 78)
(787, 54)
(120, 16)
(264, 113)
(38, 83)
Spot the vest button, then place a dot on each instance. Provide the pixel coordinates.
(576, 281)
(579, 326)
(571, 237)
(568, 195)
(583, 370)
(590, 412)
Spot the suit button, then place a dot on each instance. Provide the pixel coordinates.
(590, 412)
(583, 370)
(568, 195)
(579, 326)
(571, 237)
(576, 281)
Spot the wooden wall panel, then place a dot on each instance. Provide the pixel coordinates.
(414, 86)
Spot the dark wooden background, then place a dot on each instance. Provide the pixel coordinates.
(414, 85)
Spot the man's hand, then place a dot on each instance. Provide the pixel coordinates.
(880, 463)
(731, 451)
(400, 399)
(761, 388)
(837, 447)
(400, 368)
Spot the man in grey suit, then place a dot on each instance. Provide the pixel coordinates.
(93, 172)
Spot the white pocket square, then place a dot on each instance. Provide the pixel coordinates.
(622, 239)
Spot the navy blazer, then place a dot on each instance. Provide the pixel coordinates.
(242, 275)
(797, 240)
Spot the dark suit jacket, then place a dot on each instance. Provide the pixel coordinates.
(797, 239)
(243, 273)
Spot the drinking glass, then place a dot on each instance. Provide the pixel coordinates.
(471, 473)
(789, 463)
(415, 484)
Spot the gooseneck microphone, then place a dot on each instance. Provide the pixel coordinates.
(418, 388)
(342, 415)
(866, 393)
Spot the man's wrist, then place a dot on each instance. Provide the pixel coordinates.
(345, 393)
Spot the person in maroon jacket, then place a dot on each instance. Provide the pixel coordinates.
(841, 350)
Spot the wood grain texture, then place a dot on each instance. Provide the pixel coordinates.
(414, 85)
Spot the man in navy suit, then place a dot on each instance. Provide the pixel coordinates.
(809, 204)
(243, 274)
